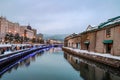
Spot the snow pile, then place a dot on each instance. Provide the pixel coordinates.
(8, 52)
(5, 45)
(93, 53)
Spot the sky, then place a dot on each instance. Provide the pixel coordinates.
(59, 16)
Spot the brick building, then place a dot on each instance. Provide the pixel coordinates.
(103, 39)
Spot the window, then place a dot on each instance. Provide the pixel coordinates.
(108, 33)
(68, 44)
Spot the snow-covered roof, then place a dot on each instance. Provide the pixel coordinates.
(90, 28)
(109, 22)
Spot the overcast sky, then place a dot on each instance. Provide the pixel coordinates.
(59, 16)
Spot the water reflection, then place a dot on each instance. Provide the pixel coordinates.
(21, 63)
(27, 61)
(53, 65)
(50, 66)
(92, 71)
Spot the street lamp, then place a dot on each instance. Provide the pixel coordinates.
(9, 31)
(23, 38)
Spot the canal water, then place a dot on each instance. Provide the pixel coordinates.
(57, 65)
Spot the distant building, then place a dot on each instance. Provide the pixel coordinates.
(39, 36)
(10, 27)
(53, 41)
(35, 33)
(29, 33)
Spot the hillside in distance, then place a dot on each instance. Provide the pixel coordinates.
(55, 36)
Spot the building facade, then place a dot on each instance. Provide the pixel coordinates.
(53, 41)
(88, 39)
(39, 36)
(73, 41)
(10, 27)
(104, 39)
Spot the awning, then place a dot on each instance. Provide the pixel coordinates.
(108, 41)
(87, 42)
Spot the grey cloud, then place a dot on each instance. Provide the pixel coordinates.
(59, 16)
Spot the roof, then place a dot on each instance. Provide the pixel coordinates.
(90, 28)
(72, 36)
(112, 21)
(109, 21)
(29, 27)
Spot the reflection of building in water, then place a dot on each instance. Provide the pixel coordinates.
(33, 58)
(21, 64)
(89, 72)
(51, 50)
(27, 62)
(39, 54)
(14, 66)
(74, 62)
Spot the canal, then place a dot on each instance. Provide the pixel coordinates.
(54, 64)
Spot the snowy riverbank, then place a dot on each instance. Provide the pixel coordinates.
(107, 59)
(93, 53)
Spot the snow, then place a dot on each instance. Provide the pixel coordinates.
(9, 45)
(115, 21)
(5, 45)
(94, 53)
(8, 52)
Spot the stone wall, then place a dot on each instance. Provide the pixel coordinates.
(91, 37)
(99, 40)
(100, 59)
(116, 43)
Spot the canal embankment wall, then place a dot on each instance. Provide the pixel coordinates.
(12, 53)
(112, 62)
(15, 56)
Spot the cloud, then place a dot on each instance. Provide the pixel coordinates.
(59, 16)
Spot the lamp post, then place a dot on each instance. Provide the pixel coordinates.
(15, 32)
(9, 31)
(23, 38)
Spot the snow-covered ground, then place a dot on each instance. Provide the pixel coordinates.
(19, 45)
(93, 53)
(5, 45)
(8, 52)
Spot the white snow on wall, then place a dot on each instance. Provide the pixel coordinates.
(93, 53)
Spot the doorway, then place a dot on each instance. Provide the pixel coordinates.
(108, 48)
(87, 46)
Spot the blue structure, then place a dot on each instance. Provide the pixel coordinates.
(8, 62)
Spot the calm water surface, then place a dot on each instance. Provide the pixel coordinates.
(56, 65)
